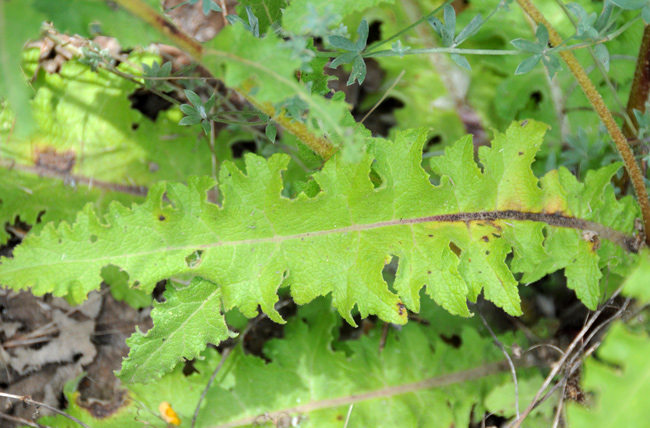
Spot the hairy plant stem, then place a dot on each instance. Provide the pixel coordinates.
(320, 145)
(603, 112)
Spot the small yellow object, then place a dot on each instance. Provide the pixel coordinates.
(168, 414)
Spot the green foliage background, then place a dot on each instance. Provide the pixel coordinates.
(282, 223)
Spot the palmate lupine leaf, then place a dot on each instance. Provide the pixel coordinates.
(454, 238)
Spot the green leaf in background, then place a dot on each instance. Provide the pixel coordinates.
(92, 146)
(184, 324)
(501, 401)
(21, 21)
(311, 377)
(118, 281)
(18, 24)
(618, 380)
(637, 282)
(307, 368)
(39, 200)
(295, 14)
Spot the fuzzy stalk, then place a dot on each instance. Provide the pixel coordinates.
(605, 115)
(319, 145)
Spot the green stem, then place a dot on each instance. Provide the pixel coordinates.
(443, 50)
(407, 29)
(235, 122)
(496, 52)
(606, 117)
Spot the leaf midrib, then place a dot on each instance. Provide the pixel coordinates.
(554, 220)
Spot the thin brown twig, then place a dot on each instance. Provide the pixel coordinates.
(224, 12)
(560, 363)
(383, 97)
(505, 353)
(22, 421)
(77, 179)
(224, 355)
(560, 404)
(28, 400)
(548, 345)
(641, 84)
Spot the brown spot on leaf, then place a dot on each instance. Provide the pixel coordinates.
(161, 217)
(48, 158)
(401, 309)
(592, 238)
(429, 272)
(521, 153)
(485, 238)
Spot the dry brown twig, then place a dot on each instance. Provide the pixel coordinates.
(28, 400)
(572, 353)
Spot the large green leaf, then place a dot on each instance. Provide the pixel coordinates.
(454, 238)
